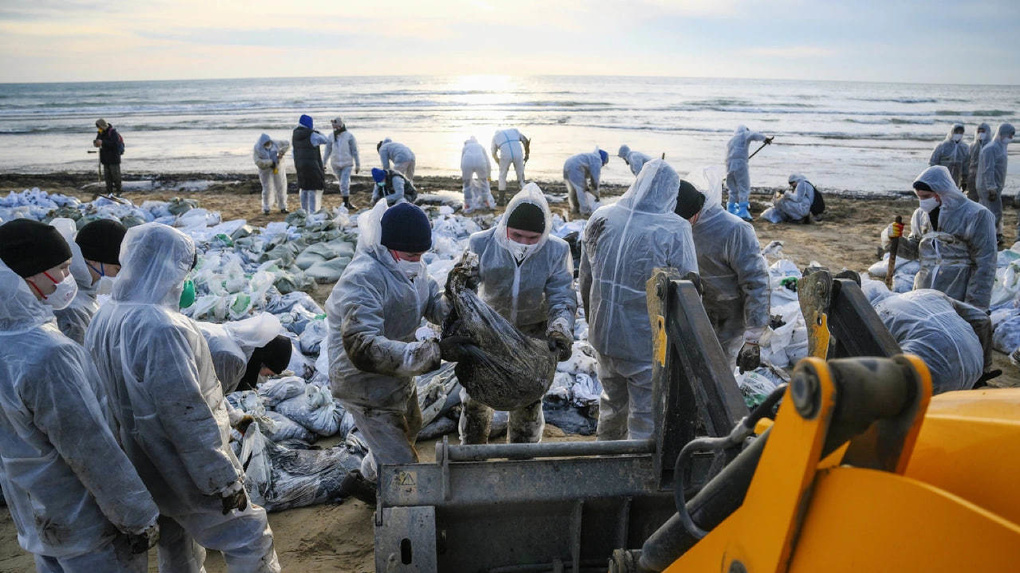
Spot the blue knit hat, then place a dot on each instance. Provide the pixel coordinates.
(378, 174)
(405, 227)
(306, 120)
(604, 155)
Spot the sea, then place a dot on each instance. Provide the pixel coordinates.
(844, 136)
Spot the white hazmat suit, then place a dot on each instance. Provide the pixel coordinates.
(475, 170)
(795, 204)
(738, 176)
(536, 294)
(622, 244)
(170, 408)
(634, 159)
(578, 171)
(958, 255)
(982, 135)
(991, 176)
(232, 345)
(71, 491)
(342, 155)
(507, 148)
(734, 275)
(944, 332)
(954, 155)
(74, 320)
(372, 315)
(401, 156)
(272, 173)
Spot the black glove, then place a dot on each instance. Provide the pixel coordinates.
(142, 542)
(561, 344)
(963, 187)
(237, 500)
(768, 140)
(463, 275)
(452, 348)
(749, 357)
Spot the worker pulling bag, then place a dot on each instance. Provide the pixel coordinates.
(497, 364)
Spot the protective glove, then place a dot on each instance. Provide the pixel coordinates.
(749, 357)
(145, 540)
(963, 187)
(421, 357)
(452, 348)
(768, 140)
(234, 497)
(561, 344)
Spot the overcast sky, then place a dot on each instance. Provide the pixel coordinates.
(935, 41)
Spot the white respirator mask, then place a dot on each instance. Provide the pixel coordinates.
(983, 137)
(65, 293)
(957, 137)
(929, 204)
(104, 285)
(520, 251)
(411, 269)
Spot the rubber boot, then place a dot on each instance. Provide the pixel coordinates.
(348, 205)
(731, 207)
(502, 198)
(743, 211)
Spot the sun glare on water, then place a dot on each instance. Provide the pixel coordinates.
(486, 101)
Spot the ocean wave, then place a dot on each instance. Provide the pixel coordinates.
(908, 100)
(978, 113)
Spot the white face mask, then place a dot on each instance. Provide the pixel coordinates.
(1007, 140)
(929, 204)
(983, 136)
(520, 251)
(65, 293)
(957, 137)
(411, 269)
(104, 285)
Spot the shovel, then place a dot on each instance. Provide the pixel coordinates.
(768, 141)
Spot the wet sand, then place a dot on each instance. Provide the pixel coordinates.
(339, 537)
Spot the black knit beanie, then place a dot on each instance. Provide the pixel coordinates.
(689, 200)
(100, 241)
(527, 217)
(406, 228)
(29, 247)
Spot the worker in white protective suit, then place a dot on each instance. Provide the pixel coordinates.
(342, 155)
(507, 150)
(991, 176)
(793, 206)
(399, 154)
(982, 136)
(738, 176)
(475, 170)
(76, 501)
(582, 173)
(953, 338)
(634, 159)
(952, 237)
(373, 313)
(170, 409)
(245, 350)
(95, 262)
(622, 244)
(734, 275)
(526, 276)
(954, 155)
(268, 155)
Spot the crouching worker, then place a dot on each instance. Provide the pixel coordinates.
(392, 186)
(526, 275)
(733, 273)
(74, 497)
(243, 351)
(793, 206)
(170, 409)
(373, 313)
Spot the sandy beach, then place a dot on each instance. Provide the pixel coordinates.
(339, 537)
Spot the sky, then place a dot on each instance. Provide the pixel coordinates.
(928, 41)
